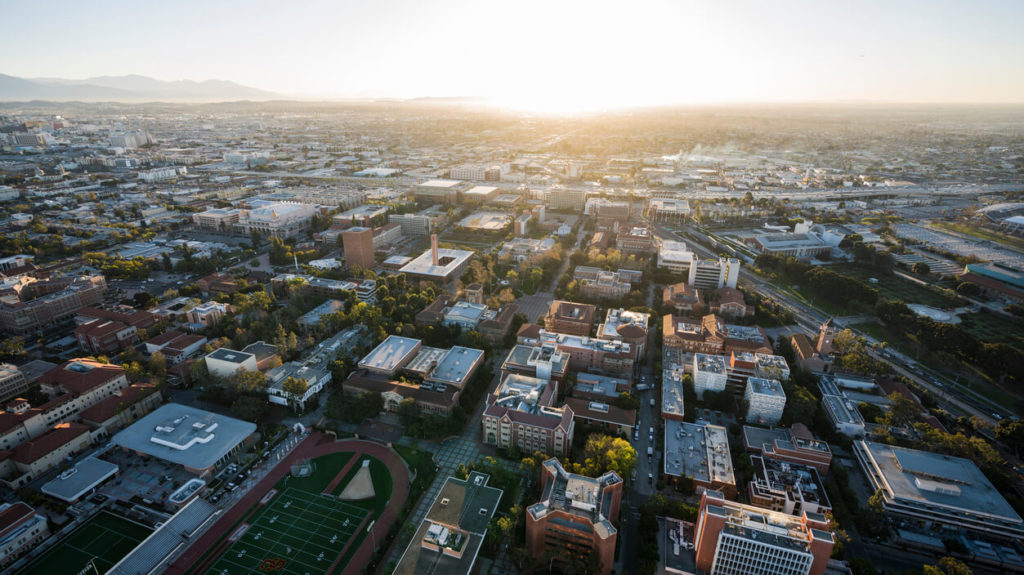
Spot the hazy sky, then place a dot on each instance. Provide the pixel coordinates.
(545, 54)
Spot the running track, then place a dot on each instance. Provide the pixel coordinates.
(313, 446)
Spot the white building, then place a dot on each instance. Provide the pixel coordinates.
(709, 373)
(226, 362)
(283, 219)
(765, 400)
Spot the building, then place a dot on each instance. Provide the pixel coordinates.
(589, 354)
(441, 374)
(608, 212)
(198, 440)
(699, 452)
(40, 454)
(366, 215)
(224, 362)
(437, 191)
(521, 226)
(673, 401)
(526, 250)
(996, 281)
(613, 419)
(765, 400)
(570, 318)
(365, 290)
(668, 211)
(801, 246)
(21, 530)
(566, 199)
(544, 362)
(737, 539)
(414, 225)
(576, 517)
(282, 219)
(40, 304)
(714, 274)
(474, 293)
(598, 387)
(175, 345)
(438, 264)
(479, 194)
(684, 298)
(486, 222)
(604, 285)
(217, 283)
(945, 495)
(771, 367)
(315, 375)
(713, 336)
(519, 414)
(806, 355)
(358, 245)
(206, 314)
(673, 256)
(312, 318)
(841, 410)
(121, 409)
(217, 219)
(628, 327)
(729, 302)
(795, 445)
(450, 535)
(12, 382)
(635, 241)
(791, 488)
(496, 329)
(709, 373)
(80, 481)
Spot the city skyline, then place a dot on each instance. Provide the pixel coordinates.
(566, 58)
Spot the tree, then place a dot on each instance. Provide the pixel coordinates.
(246, 381)
(921, 268)
(12, 348)
(158, 364)
(295, 387)
(902, 411)
(968, 289)
(844, 342)
(1011, 432)
(947, 566)
(250, 407)
(604, 453)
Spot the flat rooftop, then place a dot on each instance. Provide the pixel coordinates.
(80, 479)
(230, 355)
(185, 435)
(937, 480)
(486, 221)
(700, 451)
(456, 365)
(770, 387)
(392, 353)
(672, 393)
(441, 184)
(600, 384)
(478, 191)
(709, 363)
(449, 260)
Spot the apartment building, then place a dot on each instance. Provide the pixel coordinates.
(21, 529)
(765, 400)
(520, 414)
(576, 517)
(709, 373)
(12, 382)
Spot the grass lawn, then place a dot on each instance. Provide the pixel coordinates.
(990, 328)
(106, 537)
(421, 464)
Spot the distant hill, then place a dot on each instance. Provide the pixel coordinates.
(131, 88)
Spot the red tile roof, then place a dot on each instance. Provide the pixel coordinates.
(81, 375)
(13, 516)
(107, 408)
(47, 443)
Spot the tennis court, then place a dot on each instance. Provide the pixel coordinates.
(106, 539)
(297, 532)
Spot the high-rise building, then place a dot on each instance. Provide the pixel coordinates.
(737, 539)
(765, 400)
(358, 245)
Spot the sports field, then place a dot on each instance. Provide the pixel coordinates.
(106, 537)
(304, 527)
(298, 532)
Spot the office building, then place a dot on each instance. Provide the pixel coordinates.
(448, 539)
(40, 304)
(684, 298)
(544, 362)
(737, 539)
(729, 302)
(791, 488)
(414, 225)
(358, 244)
(224, 362)
(282, 219)
(217, 219)
(840, 409)
(520, 414)
(589, 354)
(699, 452)
(576, 517)
(945, 495)
(765, 400)
(570, 318)
(366, 215)
(714, 274)
(801, 246)
(566, 199)
(627, 327)
(604, 285)
(635, 241)
(711, 335)
(438, 191)
(675, 257)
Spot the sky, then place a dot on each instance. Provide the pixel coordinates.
(551, 54)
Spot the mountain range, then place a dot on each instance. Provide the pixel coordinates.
(131, 88)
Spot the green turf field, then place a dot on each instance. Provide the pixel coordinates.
(106, 537)
(302, 530)
(298, 532)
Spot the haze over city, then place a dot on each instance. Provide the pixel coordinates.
(559, 57)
